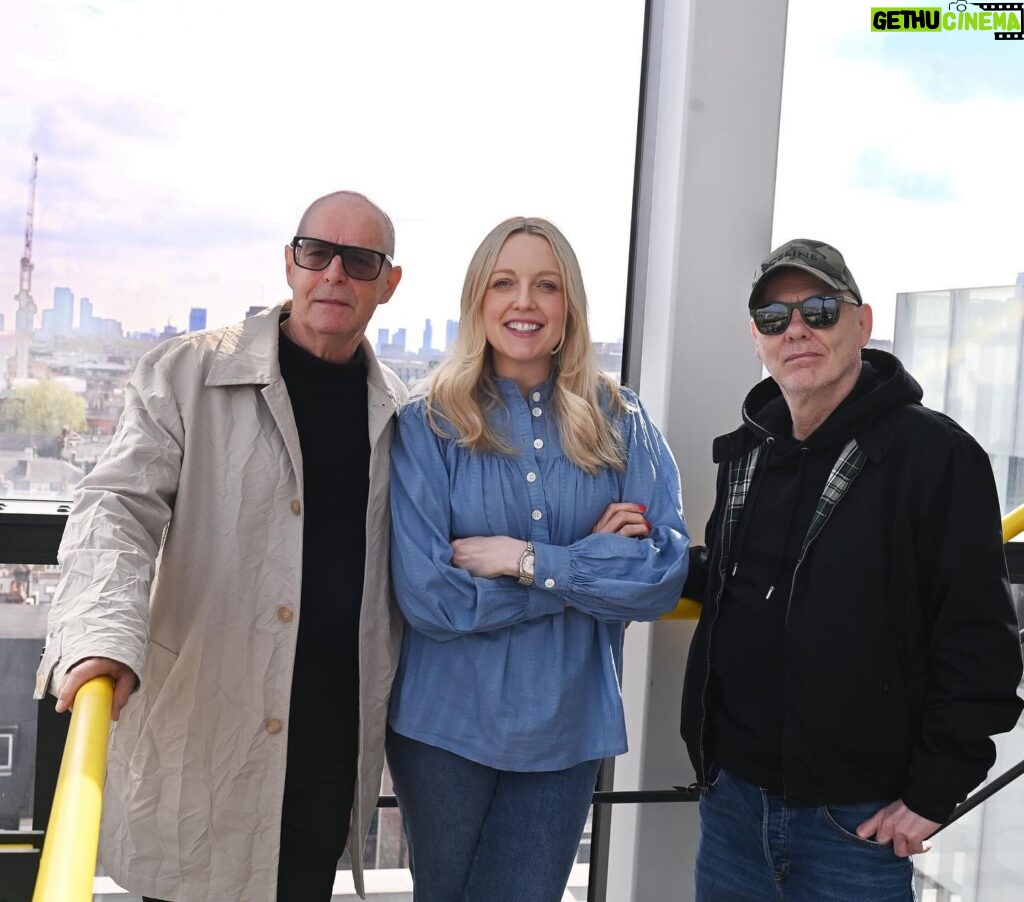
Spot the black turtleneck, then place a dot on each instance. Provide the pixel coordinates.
(329, 404)
(747, 688)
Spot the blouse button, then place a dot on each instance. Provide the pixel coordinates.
(274, 726)
(549, 583)
(536, 515)
(538, 443)
(536, 411)
(536, 396)
(296, 507)
(531, 476)
(285, 614)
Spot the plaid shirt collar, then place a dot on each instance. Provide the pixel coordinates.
(741, 476)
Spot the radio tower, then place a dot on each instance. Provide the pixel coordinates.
(25, 322)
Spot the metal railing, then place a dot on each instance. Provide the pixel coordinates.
(68, 862)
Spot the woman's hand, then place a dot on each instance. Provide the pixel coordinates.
(488, 556)
(626, 519)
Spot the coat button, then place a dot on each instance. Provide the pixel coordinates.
(285, 614)
(884, 686)
(274, 726)
(296, 507)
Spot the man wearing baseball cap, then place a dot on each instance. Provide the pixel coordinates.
(857, 645)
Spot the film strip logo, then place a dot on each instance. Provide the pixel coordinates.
(1018, 8)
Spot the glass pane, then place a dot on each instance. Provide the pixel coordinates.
(977, 858)
(22, 631)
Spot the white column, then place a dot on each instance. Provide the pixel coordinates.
(707, 185)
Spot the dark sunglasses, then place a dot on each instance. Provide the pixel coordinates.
(358, 262)
(817, 311)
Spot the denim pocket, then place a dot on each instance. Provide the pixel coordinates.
(845, 819)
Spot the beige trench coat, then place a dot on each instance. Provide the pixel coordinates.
(182, 557)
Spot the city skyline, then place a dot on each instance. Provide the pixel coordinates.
(60, 320)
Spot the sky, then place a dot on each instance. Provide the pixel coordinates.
(179, 143)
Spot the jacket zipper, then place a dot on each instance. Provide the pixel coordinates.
(702, 780)
(792, 590)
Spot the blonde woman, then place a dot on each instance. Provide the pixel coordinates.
(536, 510)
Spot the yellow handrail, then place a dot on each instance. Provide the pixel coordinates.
(689, 609)
(68, 864)
(1013, 524)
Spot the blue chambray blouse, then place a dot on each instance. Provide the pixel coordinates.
(525, 678)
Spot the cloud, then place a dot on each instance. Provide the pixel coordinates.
(153, 219)
(948, 67)
(78, 126)
(875, 168)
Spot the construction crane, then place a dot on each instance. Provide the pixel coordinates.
(25, 321)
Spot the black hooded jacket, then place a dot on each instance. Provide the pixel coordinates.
(896, 653)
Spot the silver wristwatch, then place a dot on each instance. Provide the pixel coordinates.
(526, 564)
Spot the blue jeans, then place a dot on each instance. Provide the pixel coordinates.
(754, 847)
(476, 833)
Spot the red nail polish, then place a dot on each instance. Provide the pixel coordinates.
(648, 522)
(643, 508)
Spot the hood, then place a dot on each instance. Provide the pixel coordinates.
(883, 385)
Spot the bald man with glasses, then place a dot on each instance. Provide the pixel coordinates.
(857, 645)
(226, 564)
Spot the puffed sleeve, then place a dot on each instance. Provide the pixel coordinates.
(614, 578)
(113, 533)
(438, 599)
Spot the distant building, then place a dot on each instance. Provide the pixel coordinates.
(63, 311)
(451, 330)
(197, 319)
(609, 357)
(253, 310)
(39, 477)
(398, 342)
(107, 328)
(168, 332)
(428, 339)
(86, 325)
(965, 346)
(383, 340)
(408, 369)
(1, 322)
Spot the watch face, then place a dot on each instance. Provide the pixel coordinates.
(528, 563)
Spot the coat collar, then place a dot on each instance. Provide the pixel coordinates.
(247, 355)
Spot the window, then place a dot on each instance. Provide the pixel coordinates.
(176, 154)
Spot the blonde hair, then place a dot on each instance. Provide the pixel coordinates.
(584, 401)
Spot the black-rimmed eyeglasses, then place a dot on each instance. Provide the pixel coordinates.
(818, 312)
(358, 262)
